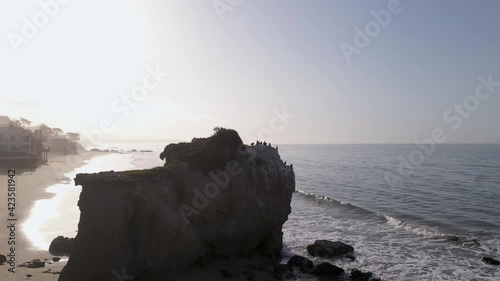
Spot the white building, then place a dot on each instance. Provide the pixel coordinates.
(15, 140)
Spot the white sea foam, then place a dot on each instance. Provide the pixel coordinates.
(420, 230)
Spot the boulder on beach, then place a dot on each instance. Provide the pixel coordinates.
(357, 275)
(3, 259)
(33, 264)
(328, 249)
(61, 246)
(214, 197)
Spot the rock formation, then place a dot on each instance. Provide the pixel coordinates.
(61, 246)
(214, 197)
(328, 249)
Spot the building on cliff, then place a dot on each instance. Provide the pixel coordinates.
(22, 148)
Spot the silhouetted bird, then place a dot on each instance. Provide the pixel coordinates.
(291, 165)
(277, 148)
(269, 144)
(265, 143)
(285, 163)
(252, 144)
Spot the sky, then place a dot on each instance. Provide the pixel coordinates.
(273, 70)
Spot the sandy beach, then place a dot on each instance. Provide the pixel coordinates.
(30, 187)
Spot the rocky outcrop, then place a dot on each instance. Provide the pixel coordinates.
(155, 224)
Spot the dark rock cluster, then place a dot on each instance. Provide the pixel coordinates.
(324, 270)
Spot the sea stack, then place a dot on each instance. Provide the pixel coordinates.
(214, 197)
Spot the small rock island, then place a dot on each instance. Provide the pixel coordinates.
(214, 197)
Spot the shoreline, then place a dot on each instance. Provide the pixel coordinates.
(31, 186)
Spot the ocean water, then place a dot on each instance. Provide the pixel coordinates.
(398, 231)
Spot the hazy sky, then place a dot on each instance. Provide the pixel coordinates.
(235, 63)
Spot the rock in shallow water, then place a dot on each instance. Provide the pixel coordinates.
(492, 261)
(328, 249)
(357, 275)
(33, 264)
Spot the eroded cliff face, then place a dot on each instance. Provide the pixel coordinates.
(155, 224)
